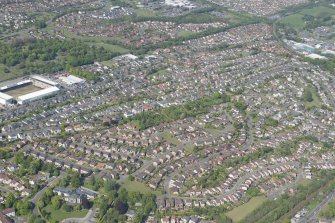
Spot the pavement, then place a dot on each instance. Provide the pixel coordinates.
(88, 218)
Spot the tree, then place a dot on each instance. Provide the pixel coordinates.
(40, 203)
(110, 185)
(121, 207)
(56, 202)
(76, 180)
(10, 200)
(40, 24)
(66, 207)
(49, 193)
(131, 178)
(33, 218)
(55, 172)
(123, 195)
(308, 95)
(23, 207)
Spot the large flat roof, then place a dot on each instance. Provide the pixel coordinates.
(42, 79)
(5, 96)
(40, 93)
(71, 79)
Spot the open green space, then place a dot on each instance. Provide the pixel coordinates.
(13, 73)
(109, 63)
(185, 33)
(240, 212)
(297, 20)
(169, 138)
(311, 98)
(136, 186)
(318, 11)
(305, 182)
(58, 215)
(144, 12)
(111, 47)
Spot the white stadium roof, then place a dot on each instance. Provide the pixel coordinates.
(5, 96)
(42, 79)
(38, 94)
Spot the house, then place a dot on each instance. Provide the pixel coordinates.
(74, 199)
(90, 194)
(165, 220)
(130, 214)
(62, 191)
(5, 219)
(9, 212)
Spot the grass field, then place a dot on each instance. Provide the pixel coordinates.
(3, 74)
(240, 212)
(296, 20)
(109, 63)
(145, 12)
(136, 186)
(168, 137)
(111, 47)
(316, 100)
(58, 215)
(22, 90)
(14, 73)
(317, 11)
(185, 33)
(305, 182)
(99, 41)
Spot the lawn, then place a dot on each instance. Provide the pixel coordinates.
(317, 11)
(185, 33)
(59, 215)
(100, 41)
(295, 21)
(109, 63)
(111, 47)
(136, 186)
(305, 182)
(169, 138)
(145, 13)
(14, 73)
(240, 212)
(316, 99)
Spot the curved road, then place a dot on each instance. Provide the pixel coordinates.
(88, 218)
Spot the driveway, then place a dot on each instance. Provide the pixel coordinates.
(88, 218)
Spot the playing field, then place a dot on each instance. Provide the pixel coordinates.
(22, 90)
(240, 212)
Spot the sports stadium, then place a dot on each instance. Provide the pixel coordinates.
(27, 90)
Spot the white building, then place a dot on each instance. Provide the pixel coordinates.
(37, 95)
(6, 99)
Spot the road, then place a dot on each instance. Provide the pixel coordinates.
(88, 218)
(313, 214)
(39, 193)
(277, 192)
(250, 136)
